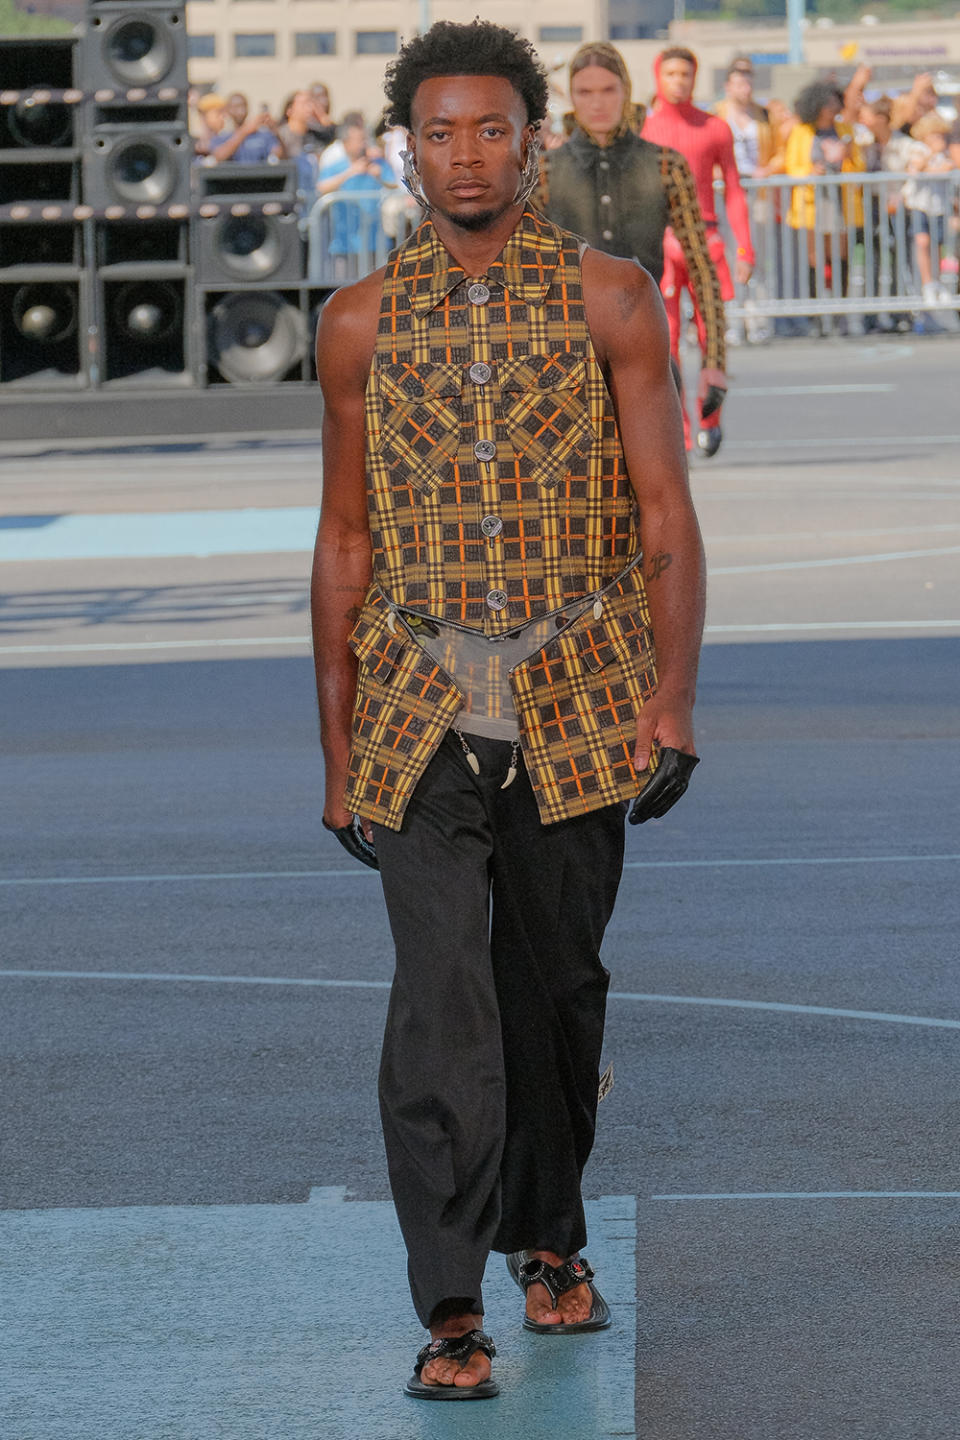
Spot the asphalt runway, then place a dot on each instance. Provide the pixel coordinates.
(195, 1234)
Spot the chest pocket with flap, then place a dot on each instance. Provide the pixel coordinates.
(546, 413)
(420, 422)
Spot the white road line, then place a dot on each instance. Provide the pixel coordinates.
(822, 1195)
(317, 983)
(366, 873)
(745, 537)
(865, 389)
(211, 643)
(808, 625)
(270, 641)
(833, 442)
(832, 561)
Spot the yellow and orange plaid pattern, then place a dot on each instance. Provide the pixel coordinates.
(497, 493)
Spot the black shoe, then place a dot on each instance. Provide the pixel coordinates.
(709, 440)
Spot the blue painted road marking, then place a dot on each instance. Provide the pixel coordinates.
(147, 536)
(290, 1321)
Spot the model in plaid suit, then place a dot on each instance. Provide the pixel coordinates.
(506, 530)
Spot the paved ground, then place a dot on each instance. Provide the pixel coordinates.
(194, 977)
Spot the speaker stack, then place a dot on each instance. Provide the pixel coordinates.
(44, 290)
(137, 155)
(124, 264)
(245, 235)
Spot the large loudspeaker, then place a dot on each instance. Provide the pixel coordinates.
(133, 46)
(144, 303)
(41, 322)
(255, 336)
(240, 243)
(44, 295)
(134, 165)
(38, 140)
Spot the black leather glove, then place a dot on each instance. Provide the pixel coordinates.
(712, 401)
(669, 783)
(355, 843)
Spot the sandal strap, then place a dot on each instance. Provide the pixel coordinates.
(455, 1347)
(556, 1279)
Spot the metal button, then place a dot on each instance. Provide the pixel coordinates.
(604, 164)
(485, 449)
(478, 294)
(415, 388)
(605, 200)
(608, 234)
(480, 373)
(498, 599)
(491, 525)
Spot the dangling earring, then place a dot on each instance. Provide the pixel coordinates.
(530, 174)
(411, 179)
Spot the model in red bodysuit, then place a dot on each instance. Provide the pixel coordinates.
(706, 143)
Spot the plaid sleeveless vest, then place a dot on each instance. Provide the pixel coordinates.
(497, 493)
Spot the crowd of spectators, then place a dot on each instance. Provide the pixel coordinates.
(827, 131)
(329, 158)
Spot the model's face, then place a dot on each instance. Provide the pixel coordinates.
(676, 80)
(598, 98)
(237, 108)
(740, 87)
(470, 136)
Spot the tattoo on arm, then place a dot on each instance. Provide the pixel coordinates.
(658, 564)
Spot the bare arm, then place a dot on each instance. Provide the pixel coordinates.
(341, 562)
(629, 330)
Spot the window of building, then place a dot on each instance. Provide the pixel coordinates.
(246, 47)
(376, 42)
(315, 42)
(201, 47)
(561, 34)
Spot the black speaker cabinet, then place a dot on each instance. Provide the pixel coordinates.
(255, 337)
(237, 249)
(144, 331)
(31, 250)
(42, 325)
(39, 176)
(137, 166)
(231, 182)
(134, 45)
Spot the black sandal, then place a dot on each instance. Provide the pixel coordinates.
(557, 1280)
(453, 1347)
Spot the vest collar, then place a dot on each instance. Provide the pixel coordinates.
(524, 267)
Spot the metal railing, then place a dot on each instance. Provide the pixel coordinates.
(347, 235)
(854, 251)
(856, 257)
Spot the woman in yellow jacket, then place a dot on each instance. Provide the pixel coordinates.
(820, 145)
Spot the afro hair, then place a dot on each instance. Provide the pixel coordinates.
(813, 98)
(480, 48)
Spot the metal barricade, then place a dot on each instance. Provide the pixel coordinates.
(346, 234)
(844, 245)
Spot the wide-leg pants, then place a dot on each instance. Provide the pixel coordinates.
(489, 1071)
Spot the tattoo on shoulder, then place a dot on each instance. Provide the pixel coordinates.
(658, 563)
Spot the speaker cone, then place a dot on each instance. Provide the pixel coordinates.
(44, 314)
(146, 312)
(38, 124)
(257, 336)
(138, 51)
(141, 170)
(249, 246)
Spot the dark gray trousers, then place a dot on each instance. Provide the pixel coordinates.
(488, 1078)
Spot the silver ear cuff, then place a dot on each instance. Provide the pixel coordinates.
(411, 179)
(530, 174)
